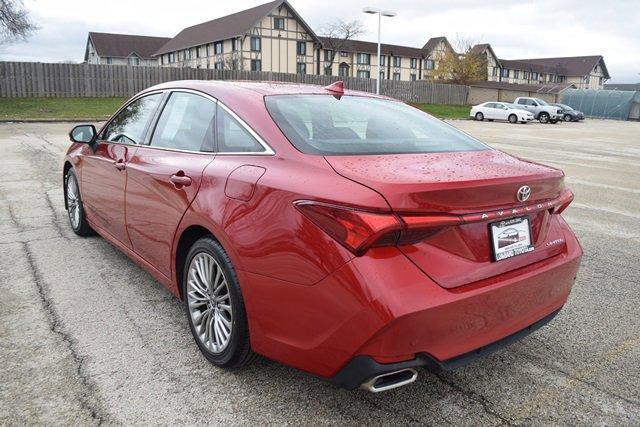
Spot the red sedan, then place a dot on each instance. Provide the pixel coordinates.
(345, 234)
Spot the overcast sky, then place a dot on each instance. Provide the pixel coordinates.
(515, 29)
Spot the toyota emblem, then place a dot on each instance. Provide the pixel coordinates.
(523, 193)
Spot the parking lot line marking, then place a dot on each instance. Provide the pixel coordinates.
(607, 210)
(598, 184)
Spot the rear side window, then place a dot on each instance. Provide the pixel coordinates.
(325, 125)
(232, 137)
(130, 124)
(187, 123)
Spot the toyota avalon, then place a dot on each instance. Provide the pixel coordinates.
(345, 234)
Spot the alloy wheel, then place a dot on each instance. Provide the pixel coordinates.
(209, 302)
(73, 202)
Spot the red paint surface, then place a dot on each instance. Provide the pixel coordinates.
(311, 302)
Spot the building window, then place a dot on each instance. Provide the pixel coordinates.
(494, 71)
(328, 55)
(172, 58)
(516, 74)
(255, 44)
(234, 45)
(396, 76)
(363, 74)
(328, 71)
(364, 58)
(534, 76)
(343, 70)
(587, 79)
(301, 48)
(256, 65)
(600, 81)
(381, 75)
(413, 77)
(301, 68)
(217, 48)
(504, 72)
(397, 61)
(109, 61)
(429, 64)
(278, 23)
(133, 61)
(218, 65)
(344, 54)
(525, 75)
(383, 60)
(414, 63)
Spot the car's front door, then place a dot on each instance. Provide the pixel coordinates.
(164, 175)
(502, 112)
(104, 174)
(490, 111)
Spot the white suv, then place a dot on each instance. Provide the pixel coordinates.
(542, 111)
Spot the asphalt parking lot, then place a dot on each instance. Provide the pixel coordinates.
(89, 337)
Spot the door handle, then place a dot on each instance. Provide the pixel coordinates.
(180, 180)
(120, 165)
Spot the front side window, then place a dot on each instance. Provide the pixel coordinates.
(129, 125)
(324, 125)
(255, 44)
(187, 123)
(301, 48)
(232, 137)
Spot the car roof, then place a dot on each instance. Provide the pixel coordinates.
(253, 88)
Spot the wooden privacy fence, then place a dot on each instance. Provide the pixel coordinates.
(37, 79)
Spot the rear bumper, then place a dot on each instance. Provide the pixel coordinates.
(362, 368)
(380, 307)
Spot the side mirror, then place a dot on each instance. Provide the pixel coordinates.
(85, 134)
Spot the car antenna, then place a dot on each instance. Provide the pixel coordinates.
(336, 89)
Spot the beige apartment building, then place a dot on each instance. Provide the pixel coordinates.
(583, 72)
(274, 37)
(269, 37)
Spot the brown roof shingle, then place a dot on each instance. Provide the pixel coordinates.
(564, 66)
(124, 45)
(372, 47)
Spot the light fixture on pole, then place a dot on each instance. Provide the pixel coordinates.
(380, 13)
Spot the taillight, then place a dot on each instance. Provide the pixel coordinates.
(564, 201)
(359, 230)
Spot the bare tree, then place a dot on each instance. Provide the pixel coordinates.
(463, 65)
(15, 23)
(339, 36)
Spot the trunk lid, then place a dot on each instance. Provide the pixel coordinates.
(468, 184)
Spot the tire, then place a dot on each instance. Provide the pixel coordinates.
(513, 119)
(479, 116)
(567, 118)
(543, 117)
(223, 339)
(74, 205)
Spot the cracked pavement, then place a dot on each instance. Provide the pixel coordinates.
(87, 337)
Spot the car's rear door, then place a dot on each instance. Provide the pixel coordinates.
(490, 111)
(165, 174)
(104, 170)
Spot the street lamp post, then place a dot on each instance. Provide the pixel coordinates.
(380, 13)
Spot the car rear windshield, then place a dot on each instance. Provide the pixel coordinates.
(323, 124)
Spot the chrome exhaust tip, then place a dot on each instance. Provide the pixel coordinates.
(390, 380)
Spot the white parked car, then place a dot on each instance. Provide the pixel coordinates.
(500, 111)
